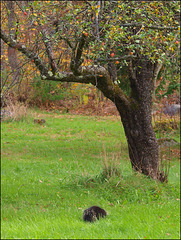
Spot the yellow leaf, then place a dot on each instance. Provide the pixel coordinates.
(85, 99)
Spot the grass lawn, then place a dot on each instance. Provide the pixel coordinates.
(51, 173)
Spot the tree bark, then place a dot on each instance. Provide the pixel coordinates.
(137, 120)
(12, 53)
(142, 144)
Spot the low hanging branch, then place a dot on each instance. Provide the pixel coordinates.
(29, 54)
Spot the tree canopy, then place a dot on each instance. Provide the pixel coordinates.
(58, 34)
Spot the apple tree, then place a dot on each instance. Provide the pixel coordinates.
(117, 46)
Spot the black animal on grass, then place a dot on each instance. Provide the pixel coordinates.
(93, 213)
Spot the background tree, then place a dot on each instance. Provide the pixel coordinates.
(108, 44)
(13, 31)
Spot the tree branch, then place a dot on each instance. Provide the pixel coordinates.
(127, 57)
(29, 54)
(56, 24)
(49, 50)
(96, 75)
(155, 75)
(145, 26)
(76, 60)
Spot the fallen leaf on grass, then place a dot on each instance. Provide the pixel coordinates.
(40, 181)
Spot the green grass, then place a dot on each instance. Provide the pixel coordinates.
(51, 173)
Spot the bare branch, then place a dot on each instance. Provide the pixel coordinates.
(66, 40)
(151, 27)
(49, 50)
(127, 57)
(76, 60)
(155, 75)
(29, 54)
(56, 24)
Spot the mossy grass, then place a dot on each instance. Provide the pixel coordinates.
(51, 173)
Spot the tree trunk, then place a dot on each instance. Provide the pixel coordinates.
(137, 120)
(12, 53)
(142, 144)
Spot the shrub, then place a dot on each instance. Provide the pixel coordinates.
(166, 125)
(44, 92)
(14, 111)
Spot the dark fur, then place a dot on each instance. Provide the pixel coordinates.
(93, 213)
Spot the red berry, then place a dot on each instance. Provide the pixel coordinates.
(25, 13)
(112, 54)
